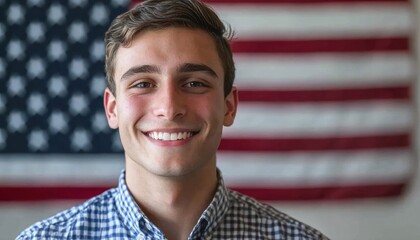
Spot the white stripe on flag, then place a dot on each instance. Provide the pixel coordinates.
(315, 169)
(323, 70)
(271, 20)
(53, 169)
(239, 169)
(264, 120)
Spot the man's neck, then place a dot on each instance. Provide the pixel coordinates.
(174, 205)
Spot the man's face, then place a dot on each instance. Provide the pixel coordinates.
(169, 105)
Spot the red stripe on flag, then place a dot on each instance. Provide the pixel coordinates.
(321, 45)
(325, 95)
(323, 193)
(315, 144)
(51, 193)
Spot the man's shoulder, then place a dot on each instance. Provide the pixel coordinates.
(63, 224)
(269, 220)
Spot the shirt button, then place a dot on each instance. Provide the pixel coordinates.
(148, 226)
(141, 237)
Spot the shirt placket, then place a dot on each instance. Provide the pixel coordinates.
(148, 231)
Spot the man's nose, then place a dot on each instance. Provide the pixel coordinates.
(169, 103)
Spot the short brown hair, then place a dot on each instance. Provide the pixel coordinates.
(159, 14)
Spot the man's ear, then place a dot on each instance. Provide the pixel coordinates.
(231, 104)
(110, 104)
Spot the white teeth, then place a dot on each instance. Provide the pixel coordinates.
(169, 136)
(166, 136)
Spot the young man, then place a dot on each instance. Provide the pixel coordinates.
(170, 74)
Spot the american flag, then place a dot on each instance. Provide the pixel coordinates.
(326, 99)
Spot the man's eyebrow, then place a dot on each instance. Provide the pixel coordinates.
(140, 69)
(191, 67)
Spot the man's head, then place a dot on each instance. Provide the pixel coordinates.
(160, 14)
(170, 93)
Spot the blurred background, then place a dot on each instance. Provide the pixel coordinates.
(326, 129)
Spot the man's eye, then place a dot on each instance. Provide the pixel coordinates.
(195, 84)
(143, 85)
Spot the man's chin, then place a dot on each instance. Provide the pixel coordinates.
(168, 171)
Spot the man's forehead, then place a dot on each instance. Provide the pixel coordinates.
(148, 44)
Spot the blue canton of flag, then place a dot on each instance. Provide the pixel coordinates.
(52, 76)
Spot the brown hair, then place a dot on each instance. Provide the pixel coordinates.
(159, 14)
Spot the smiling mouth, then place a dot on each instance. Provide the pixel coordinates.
(173, 136)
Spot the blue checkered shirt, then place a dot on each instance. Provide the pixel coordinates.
(115, 215)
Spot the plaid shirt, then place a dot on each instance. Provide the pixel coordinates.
(115, 215)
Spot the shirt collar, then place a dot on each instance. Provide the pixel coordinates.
(134, 218)
(215, 212)
(130, 212)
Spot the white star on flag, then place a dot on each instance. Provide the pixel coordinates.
(56, 50)
(36, 104)
(16, 122)
(99, 15)
(57, 86)
(15, 15)
(58, 122)
(97, 50)
(78, 104)
(56, 14)
(36, 68)
(78, 68)
(15, 50)
(38, 140)
(77, 32)
(81, 140)
(36, 32)
(97, 86)
(99, 122)
(16, 86)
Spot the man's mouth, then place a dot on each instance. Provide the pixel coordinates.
(170, 136)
